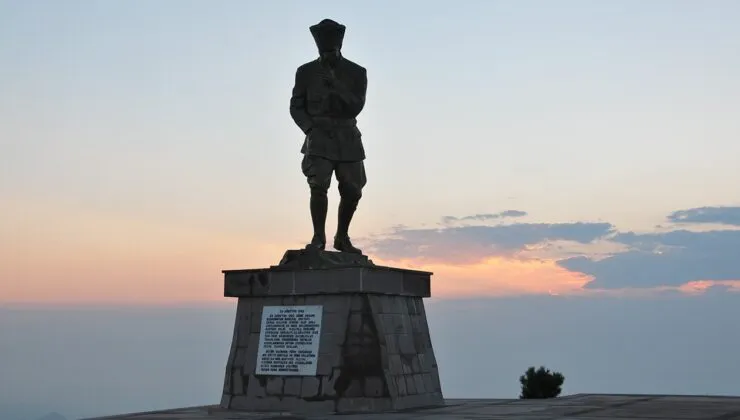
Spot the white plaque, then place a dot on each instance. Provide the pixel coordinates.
(289, 340)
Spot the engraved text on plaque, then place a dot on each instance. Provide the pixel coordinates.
(289, 340)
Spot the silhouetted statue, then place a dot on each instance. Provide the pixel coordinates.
(328, 94)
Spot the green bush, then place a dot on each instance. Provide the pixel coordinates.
(541, 383)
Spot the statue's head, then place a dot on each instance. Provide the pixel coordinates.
(328, 35)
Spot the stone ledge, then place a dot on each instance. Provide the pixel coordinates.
(345, 280)
(313, 259)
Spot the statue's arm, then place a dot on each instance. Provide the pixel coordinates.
(354, 98)
(298, 103)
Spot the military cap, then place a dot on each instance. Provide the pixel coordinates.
(328, 35)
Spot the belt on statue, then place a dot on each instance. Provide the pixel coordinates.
(334, 122)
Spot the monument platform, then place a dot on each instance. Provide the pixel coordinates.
(330, 332)
(580, 406)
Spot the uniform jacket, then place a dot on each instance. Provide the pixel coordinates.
(325, 104)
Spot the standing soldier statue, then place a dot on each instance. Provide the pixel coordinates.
(328, 94)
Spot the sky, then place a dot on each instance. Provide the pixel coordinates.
(519, 150)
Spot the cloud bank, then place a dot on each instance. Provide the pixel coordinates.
(719, 215)
(635, 260)
(484, 217)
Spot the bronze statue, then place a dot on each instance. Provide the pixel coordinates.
(328, 94)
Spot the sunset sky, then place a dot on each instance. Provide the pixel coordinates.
(514, 147)
(568, 170)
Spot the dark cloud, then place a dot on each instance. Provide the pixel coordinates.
(485, 217)
(664, 259)
(472, 243)
(720, 215)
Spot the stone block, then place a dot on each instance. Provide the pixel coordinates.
(243, 310)
(374, 387)
(327, 362)
(415, 364)
(255, 389)
(281, 283)
(274, 385)
(246, 283)
(355, 389)
(270, 301)
(292, 386)
(337, 304)
(430, 359)
(255, 324)
(382, 281)
(357, 302)
(416, 283)
(232, 350)
(391, 344)
(406, 365)
(327, 281)
(254, 342)
(330, 342)
(354, 322)
(429, 383)
(326, 406)
(401, 385)
(386, 322)
(327, 386)
(424, 367)
(406, 344)
(239, 402)
(412, 307)
(310, 387)
(410, 385)
(237, 382)
(334, 323)
(297, 300)
(386, 304)
(240, 358)
(406, 326)
(227, 381)
(419, 384)
(250, 360)
(436, 384)
(399, 304)
(225, 401)
(391, 385)
(416, 325)
(395, 365)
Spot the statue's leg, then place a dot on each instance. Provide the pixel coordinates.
(351, 178)
(318, 174)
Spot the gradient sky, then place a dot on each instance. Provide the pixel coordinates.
(145, 146)
(572, 165)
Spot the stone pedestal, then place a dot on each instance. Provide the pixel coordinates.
(374, 349)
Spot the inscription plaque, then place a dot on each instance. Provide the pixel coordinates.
(289, 340)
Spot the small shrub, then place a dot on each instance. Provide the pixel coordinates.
(541, 383)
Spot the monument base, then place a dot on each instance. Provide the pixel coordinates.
(374, 350)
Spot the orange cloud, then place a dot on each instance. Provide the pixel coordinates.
(498, 276)
(701, 286)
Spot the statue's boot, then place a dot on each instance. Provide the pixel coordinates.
(344, 217)
(319, 206)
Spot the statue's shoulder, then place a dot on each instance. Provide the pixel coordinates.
(308, 67)
(353, 66)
